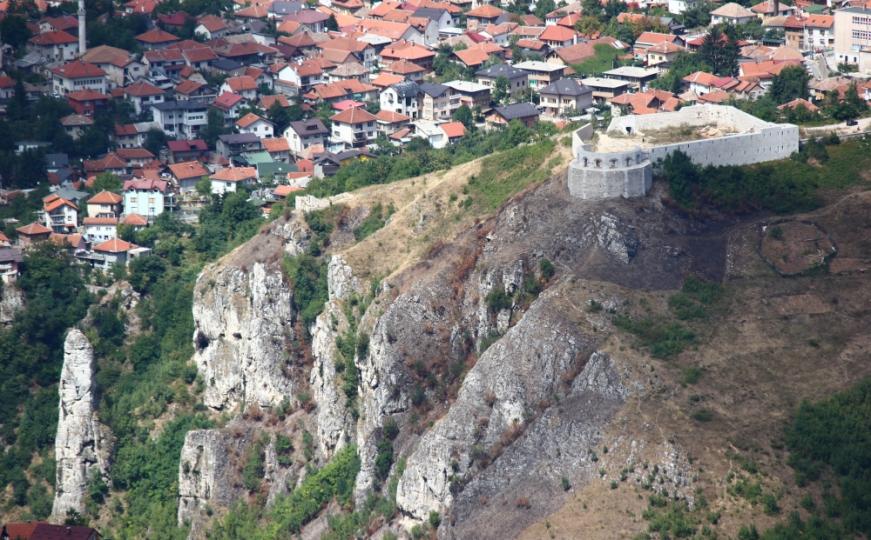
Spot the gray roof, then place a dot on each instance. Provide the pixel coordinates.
(56, 160)
(517, 110)
(182, 105)
(10, 254)
(433, 14)
(282, 7)
(566, 87)
(309, 127)
(406, 89)
(239, 138)
(433, 89)
(501, 70)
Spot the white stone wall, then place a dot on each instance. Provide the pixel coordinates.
(595, 175)
(774, 143)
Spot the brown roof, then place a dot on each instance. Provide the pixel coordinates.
(355, 115)
(33, 229)
(105, 197)
(156, 36)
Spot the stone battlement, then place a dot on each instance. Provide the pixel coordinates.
(732, 137)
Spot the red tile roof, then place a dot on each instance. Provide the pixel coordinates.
(356, 115)
(235, 174)
(250, 119)
(156, 36)
(33, 229)
(105, 197)
(453, 129)
(115, 245)
(485, 11)
(55, 37)
(135, 220)
(78, 70)
(187, 170)
(142, 89)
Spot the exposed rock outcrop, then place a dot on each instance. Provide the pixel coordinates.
(335, 425)
(207, 477)
(82, 444)
(11, 301)
(244, 324)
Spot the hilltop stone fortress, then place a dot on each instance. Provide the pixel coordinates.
(619, 162)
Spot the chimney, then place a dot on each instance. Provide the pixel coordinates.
(83, 47)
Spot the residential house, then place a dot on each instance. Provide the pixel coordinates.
(199, 58)
(637, 77)
(408, 51)
(647, 102)
(232, 145)
(353, 128)
(389, 122)
(120, 67)
(401, 98)
(565, 97)
(163, 63)
(55, 46)
(702, 82)
(211, 27)
(147, 197)
(110, 163)
(142, 94)
(471, 94)
(187, 150)
(187, 174)
(75, 125)
(819, 32)
(278, 148)
(227, 179)
(7, 87)
(99, 229)
(105, 204)
(244, 86)
(441, 16)
(252, 123)
(77, 75)
(772, 8)
(525, 113)
(483, 15)
(405, 70)
(605, 89)
(230, 105)
(342, 90)
(731, 13)
(763, 72)
(516, 78)
(87, 102)
(59, 214)
(112, 252)
(10, 262)
(437, 102)
(32, 233)
(181, 119)
(648, 39)
(540, 74)
(662, 54)
(310, 19)
(156, 39)
(557, 36)
(303, 134)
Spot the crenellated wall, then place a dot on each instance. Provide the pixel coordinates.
(602, 175)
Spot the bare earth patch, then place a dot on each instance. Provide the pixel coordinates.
(795, 247)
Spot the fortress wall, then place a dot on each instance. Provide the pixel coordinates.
(595, 175)
(778, 141)
(695, 116)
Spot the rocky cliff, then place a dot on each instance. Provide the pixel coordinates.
(11, 301)
(480, 353)
(82, 444)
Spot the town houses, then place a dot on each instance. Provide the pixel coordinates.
(206, 105)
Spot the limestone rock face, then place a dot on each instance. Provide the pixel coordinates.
(333, 419)
(501, 403)
(11, 301)
(82, 444)
(206, 476)
(243, 327)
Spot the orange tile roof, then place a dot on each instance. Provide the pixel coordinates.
(557, 33)
(105, 197)
(54, 204)
(250, 119)
(33, 229)
(453, 129)
(156, 36)
(275, 144)
(354, 115)
(384, 79)
(485, 11)
(115, 245)
(188, 169)
(135, 220)
(241, 83)
(285, 190)
(391, 117)
(50, 39)
(235, 174)
(472, 56)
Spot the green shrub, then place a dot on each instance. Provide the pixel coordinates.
(283, 450)
(434, 519)
(308, 278)
(664, 339)
(691, 375)
(498, 299)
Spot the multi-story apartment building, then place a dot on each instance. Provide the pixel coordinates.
(853, 37)
(181, 119)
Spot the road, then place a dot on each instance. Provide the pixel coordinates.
(863, 126)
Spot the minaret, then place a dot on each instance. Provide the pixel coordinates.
(83, 47)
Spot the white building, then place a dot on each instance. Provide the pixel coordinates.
(55, 46)
(76, 76)
(401, 98)
(251, 123)
(147, 198)
(303, 134)
(353, 128)
(181, 119)
(227, 179)
(100, 229)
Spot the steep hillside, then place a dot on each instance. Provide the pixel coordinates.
(534, 368)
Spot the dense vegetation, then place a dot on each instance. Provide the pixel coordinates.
(420, 158)
(784, 187)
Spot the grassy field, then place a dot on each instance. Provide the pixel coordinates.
(603, 61)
